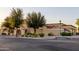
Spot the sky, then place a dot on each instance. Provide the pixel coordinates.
(67, 15)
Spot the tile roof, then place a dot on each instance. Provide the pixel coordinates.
(57, 25)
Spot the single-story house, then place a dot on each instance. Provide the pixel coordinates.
(54, 28)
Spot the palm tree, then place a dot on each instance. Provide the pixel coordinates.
(35, 20)
(14, 20)
(17, 17)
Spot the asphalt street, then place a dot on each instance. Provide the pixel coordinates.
(32, 44)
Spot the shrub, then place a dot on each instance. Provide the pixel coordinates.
(66, 34)
(50, 34)
(34, 34)
(4, 34)
(22, 35)
(28, 34)
(31, 35)
(41, 34)
(77, 33)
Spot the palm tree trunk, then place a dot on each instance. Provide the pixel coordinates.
(35, 30)
(16, 32)
(9, 31)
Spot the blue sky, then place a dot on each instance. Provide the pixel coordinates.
(67, 15)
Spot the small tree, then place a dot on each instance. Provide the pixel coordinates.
(35, 20)
(77, 23)
(8, 23)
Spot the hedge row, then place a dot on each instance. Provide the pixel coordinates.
(66, 34)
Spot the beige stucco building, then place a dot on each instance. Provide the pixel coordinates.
(57, 28)
(54, 28)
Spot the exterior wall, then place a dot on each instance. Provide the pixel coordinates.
(4, 31)
(71, 29)
(46, 30)
(14, 32)
(55, 30)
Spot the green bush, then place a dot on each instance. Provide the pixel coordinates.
(31, 35)
(4, 34)
(22, 35)
(66, 34)
(77, 33)
(50, 34)
(28, 34)
(34, 35)
(41, 34)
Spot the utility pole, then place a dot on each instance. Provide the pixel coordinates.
(60, 26)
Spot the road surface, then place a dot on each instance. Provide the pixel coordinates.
(29, 44)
